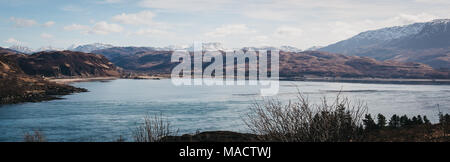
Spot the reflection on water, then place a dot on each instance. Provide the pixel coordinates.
(112, 108)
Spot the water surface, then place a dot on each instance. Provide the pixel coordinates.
(111, 109)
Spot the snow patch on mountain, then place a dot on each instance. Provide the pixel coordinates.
(91, 47)
(21, 49)
(390, 33)
(48, 48)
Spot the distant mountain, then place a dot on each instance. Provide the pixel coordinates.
(112, 53)
(91, 47)
(427, 43)
(281, 48)
(292, 64)
(66, 64)
(314, 48)
(48, 49)
(61, 64)
(289, 49)
(28, 50)
(22, 49)
(212, 46)
(335, 65)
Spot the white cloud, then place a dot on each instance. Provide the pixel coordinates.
(101, 28)
(141, 18)
(48, 24)
(404, 19)
(46, 36)
(227, 30)
(152, 32)
(267, 14)
(76, 27)
(12, 41)
(109, 1)
(288, 31)
(433, 1)
(104, 28)
(191, 5)
(19, 22)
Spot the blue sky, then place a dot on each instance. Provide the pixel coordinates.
(235, 23)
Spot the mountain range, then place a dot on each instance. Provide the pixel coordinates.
(416, 50)
(292, 64)
(427, 43)
(87, 48)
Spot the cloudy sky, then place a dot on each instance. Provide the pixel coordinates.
(235, 23)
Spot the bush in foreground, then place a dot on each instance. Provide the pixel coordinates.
(153, 129)
(300, 121)
(36, 136)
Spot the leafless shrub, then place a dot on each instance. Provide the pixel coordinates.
(120, 139)
(301, 121)
(153, 129)
(36, 136)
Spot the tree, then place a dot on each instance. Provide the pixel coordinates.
(381, 121)
(426, 121)
(404, 121)
(395, 121)
(419, 120)
(444, 119)
(414, 121)
(369, 123)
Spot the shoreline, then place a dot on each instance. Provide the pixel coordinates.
(72, 80)
(371, 80)
(310, 79)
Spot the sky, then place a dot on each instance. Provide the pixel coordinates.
(234, 23)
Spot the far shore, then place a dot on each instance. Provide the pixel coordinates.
(377, 80)
(314, 79)
(72, 80)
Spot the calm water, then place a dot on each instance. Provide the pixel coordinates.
(113, 108)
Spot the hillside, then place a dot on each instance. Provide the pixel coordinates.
(335, 65)
(66, 64)
(292, 64)
(427, 43)
(16, 86)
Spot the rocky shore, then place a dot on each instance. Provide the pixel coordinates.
(14, 90)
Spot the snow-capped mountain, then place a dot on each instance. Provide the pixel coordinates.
(213, 46)
(390, 33)
(427, 42)
(48, 48)
(91, 47)
(434, 34)
(72, 47)
(209, 46)
(28, 50)
(22, 49)
(290, 49)
(373, 37)
(281, 48)
(172, 48)
(314, 48)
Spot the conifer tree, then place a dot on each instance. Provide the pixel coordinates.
(381, 121)
(426, 121)
(369, 123)
(395, 121)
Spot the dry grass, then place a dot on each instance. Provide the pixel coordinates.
(153, 129)
(301, 121)
(36, 136)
